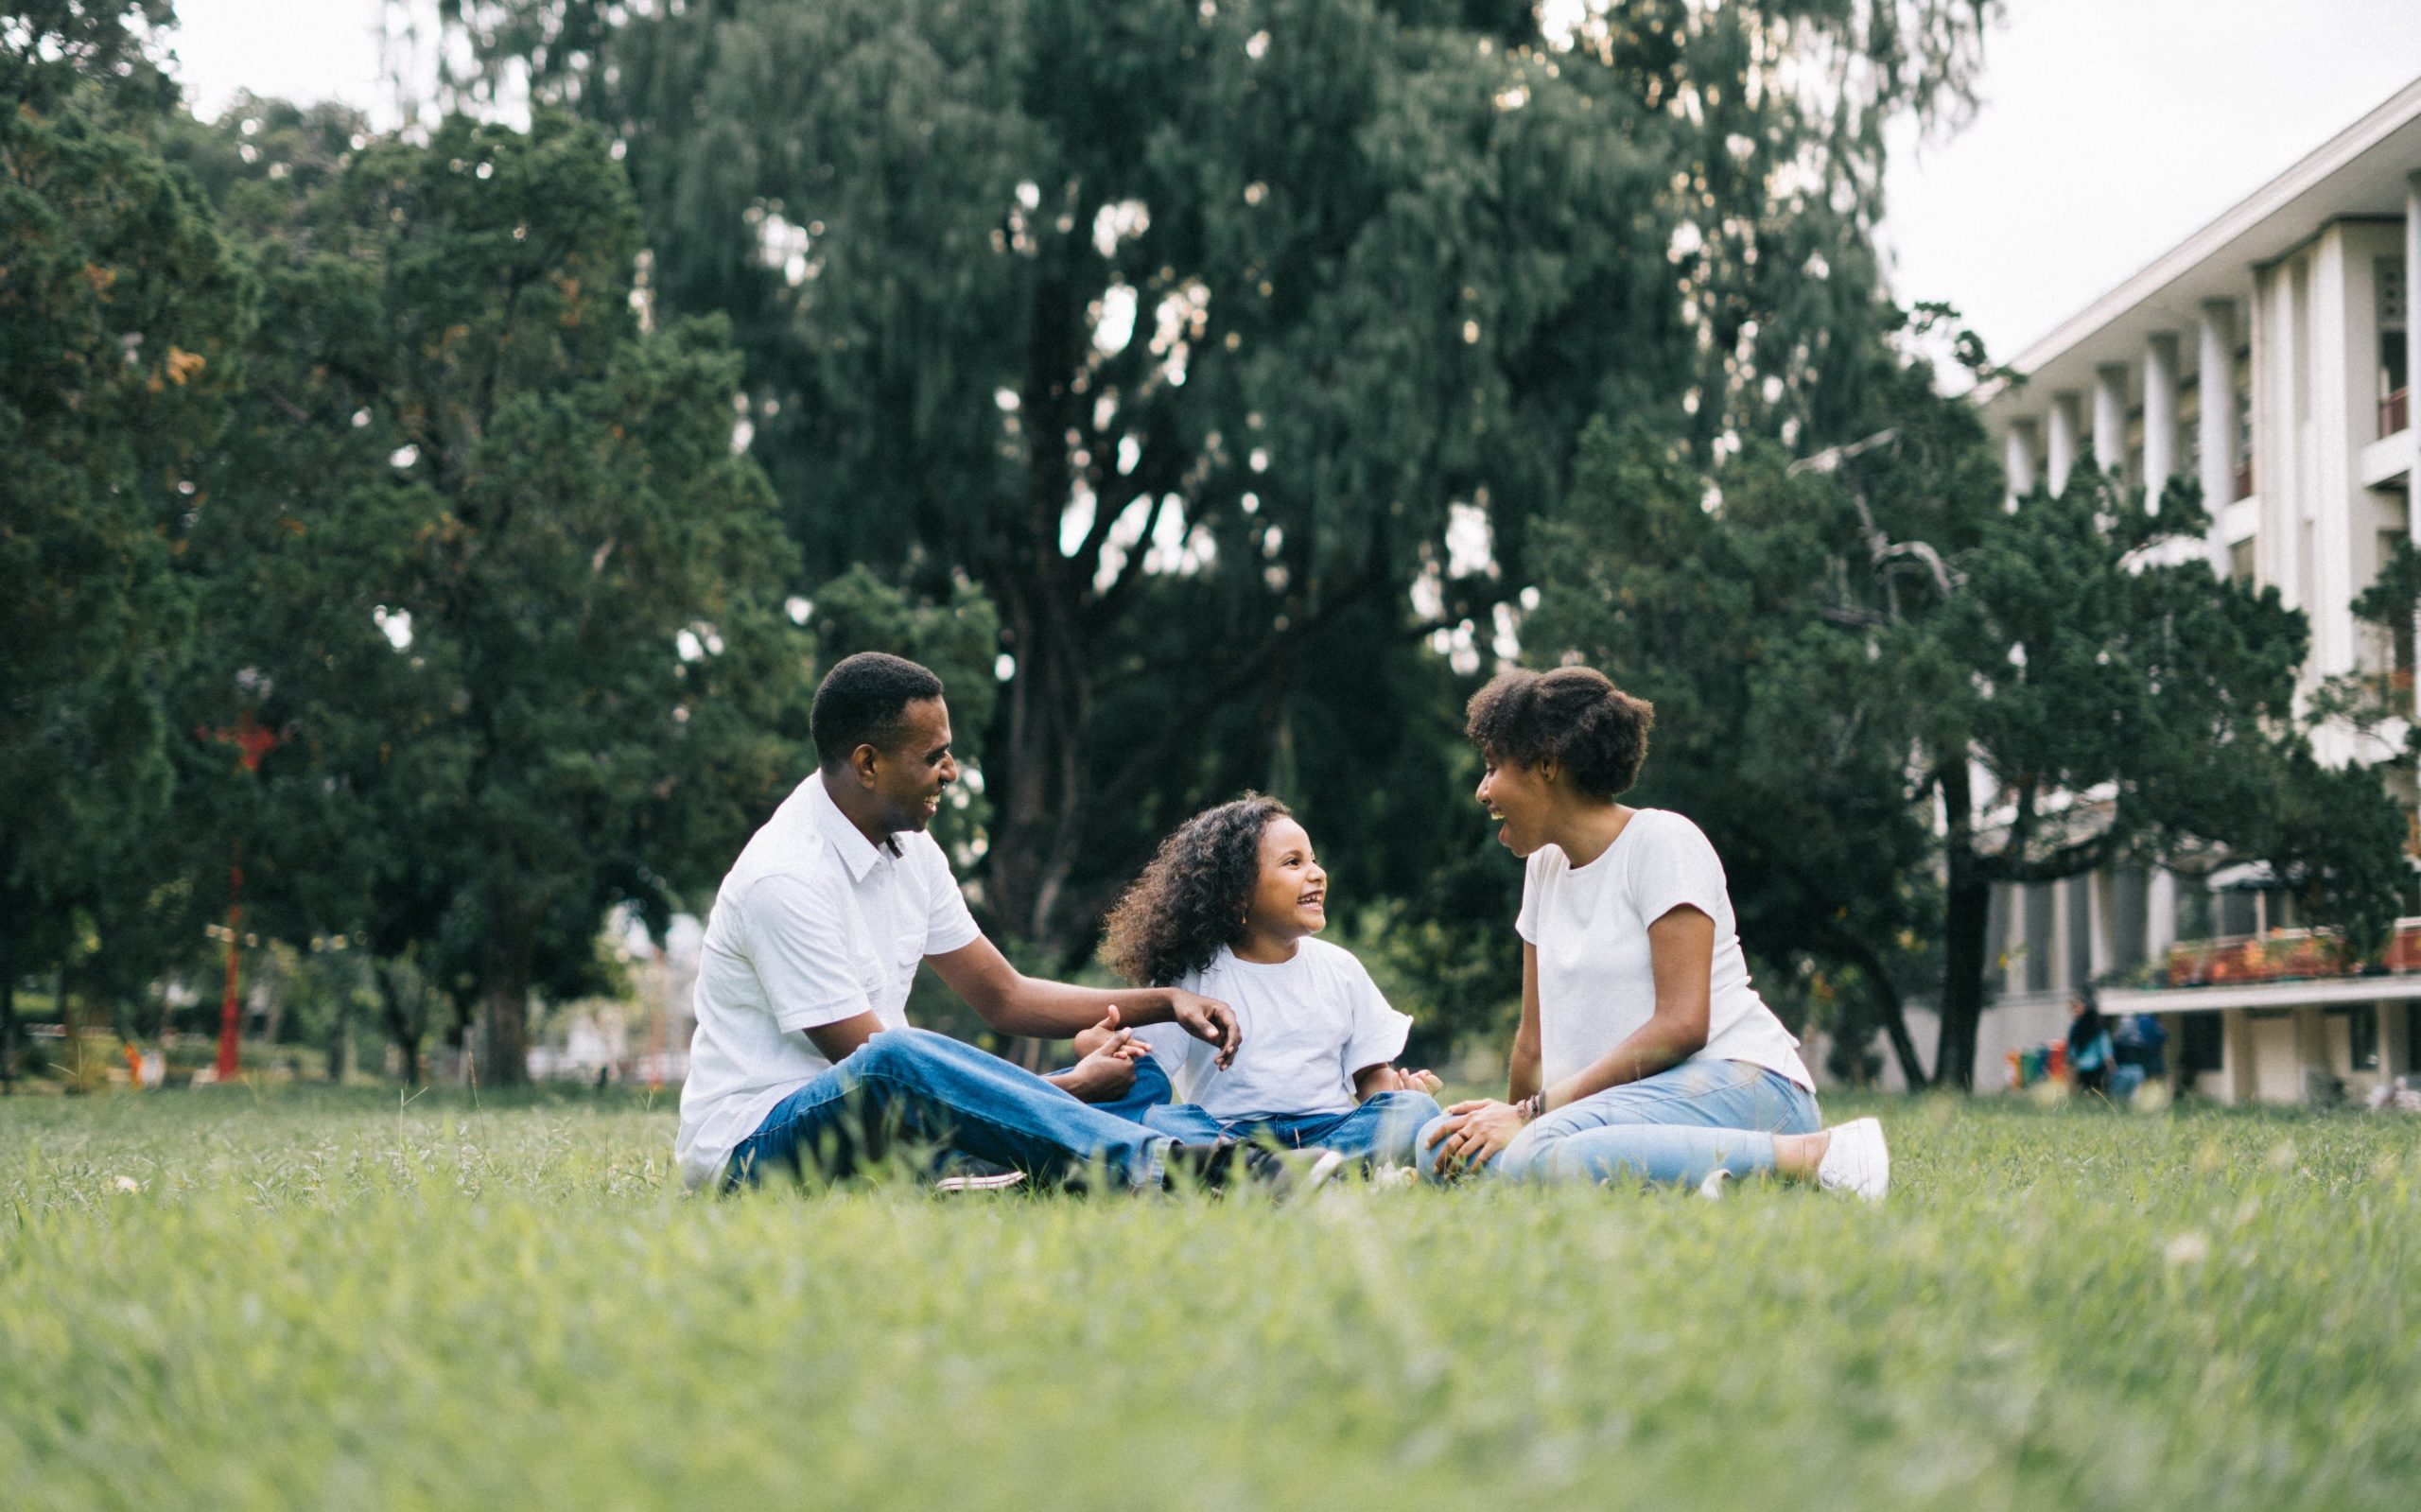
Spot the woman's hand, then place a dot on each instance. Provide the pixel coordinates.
(1473, 1132)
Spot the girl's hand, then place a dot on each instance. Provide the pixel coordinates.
(1473, 1132)
(1107, 1069)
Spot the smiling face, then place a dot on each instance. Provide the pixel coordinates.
(1521, 798)
(1290, 899)
(908, 780)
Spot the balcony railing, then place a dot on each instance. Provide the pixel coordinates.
(2285, 955)
(2396, 412)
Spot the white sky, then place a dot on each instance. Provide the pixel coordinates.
(2113, 130)
(2110, 130)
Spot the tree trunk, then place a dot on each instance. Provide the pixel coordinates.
(1889, 1008)
(504, 990)
(400, 1026)
(1041, 813)
(7, 1015)
(1967, 907)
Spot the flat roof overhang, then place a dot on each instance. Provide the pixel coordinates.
(2361, 172)
(2308, 992)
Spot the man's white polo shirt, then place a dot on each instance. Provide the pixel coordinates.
(813, 925)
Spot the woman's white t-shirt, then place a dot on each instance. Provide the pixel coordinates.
(1308, 1023)
(1597, 985)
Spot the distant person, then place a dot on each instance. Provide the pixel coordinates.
(803, 1052)
(2138, 1055)
(1643, 1052)
(2090, 1052)
(1231, 907)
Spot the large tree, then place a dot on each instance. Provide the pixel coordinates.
(479, 551)
(121, 310)
(1749, 610)
(1883, 693)
(1199, 335)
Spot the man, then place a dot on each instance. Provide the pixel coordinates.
(802, 1050)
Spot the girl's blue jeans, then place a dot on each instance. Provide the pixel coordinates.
(1678, 1126)
(1380, 1130)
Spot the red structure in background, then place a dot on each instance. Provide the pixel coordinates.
(253, 742)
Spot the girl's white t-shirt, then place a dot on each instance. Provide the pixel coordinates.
(1308, 1023)
(1597, 985)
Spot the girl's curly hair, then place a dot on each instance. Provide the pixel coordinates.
(1192, 898)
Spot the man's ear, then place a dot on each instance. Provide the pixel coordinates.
(862, 764)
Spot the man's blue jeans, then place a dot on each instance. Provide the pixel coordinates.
(1678, 1126)
(913, 1087)
(1380, 1130)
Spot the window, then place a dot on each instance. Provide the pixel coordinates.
(2200, 1046)
(2240, 561)
(2396, 379)
(2129, 912)
(2362, 1037)
(2080, 930)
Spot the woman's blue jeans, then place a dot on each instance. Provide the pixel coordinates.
(1678, 1126)
(914, 1087)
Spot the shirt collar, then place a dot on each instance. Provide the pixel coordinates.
(848, 842)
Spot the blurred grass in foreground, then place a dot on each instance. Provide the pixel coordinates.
(313, 1299)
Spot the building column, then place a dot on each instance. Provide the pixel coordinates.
(2060, 442)
(2018, 460)
(2311, 1051)
(2215, 392)
(2160, 415)
(2110, 418)
(2235, 1055)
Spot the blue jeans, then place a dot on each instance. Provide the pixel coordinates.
(1380, 1130)
(922, 1089)
(1678, 1126)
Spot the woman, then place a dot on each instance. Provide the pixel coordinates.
(2090, 1050)
(1643, 1052)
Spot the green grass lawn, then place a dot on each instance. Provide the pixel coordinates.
(317, 1300)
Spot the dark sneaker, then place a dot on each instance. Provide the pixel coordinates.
(1234, 1166)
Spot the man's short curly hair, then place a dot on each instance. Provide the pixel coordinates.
(1574, 715)
(1192, 898)
(864, 700)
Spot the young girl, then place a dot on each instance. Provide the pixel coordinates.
(1228, 909)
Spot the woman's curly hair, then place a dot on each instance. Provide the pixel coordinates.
(1573, 714)
(1192, 898)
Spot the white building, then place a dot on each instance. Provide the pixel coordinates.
(2270, 356)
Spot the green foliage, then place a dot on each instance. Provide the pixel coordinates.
(480, 552)
(1185, 332)
(1755, 623)
(106, 51)
(121, 313)
(312, 1300)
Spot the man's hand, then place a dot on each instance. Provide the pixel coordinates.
(1473, 1132)
(1206, 1019)
(1109, 1067)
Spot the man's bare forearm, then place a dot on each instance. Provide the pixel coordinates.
(1056, 1010)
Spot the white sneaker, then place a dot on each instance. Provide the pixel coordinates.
(1713, 1188)
(1312, 1177)
(1856, 1160)
(987, 1181)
